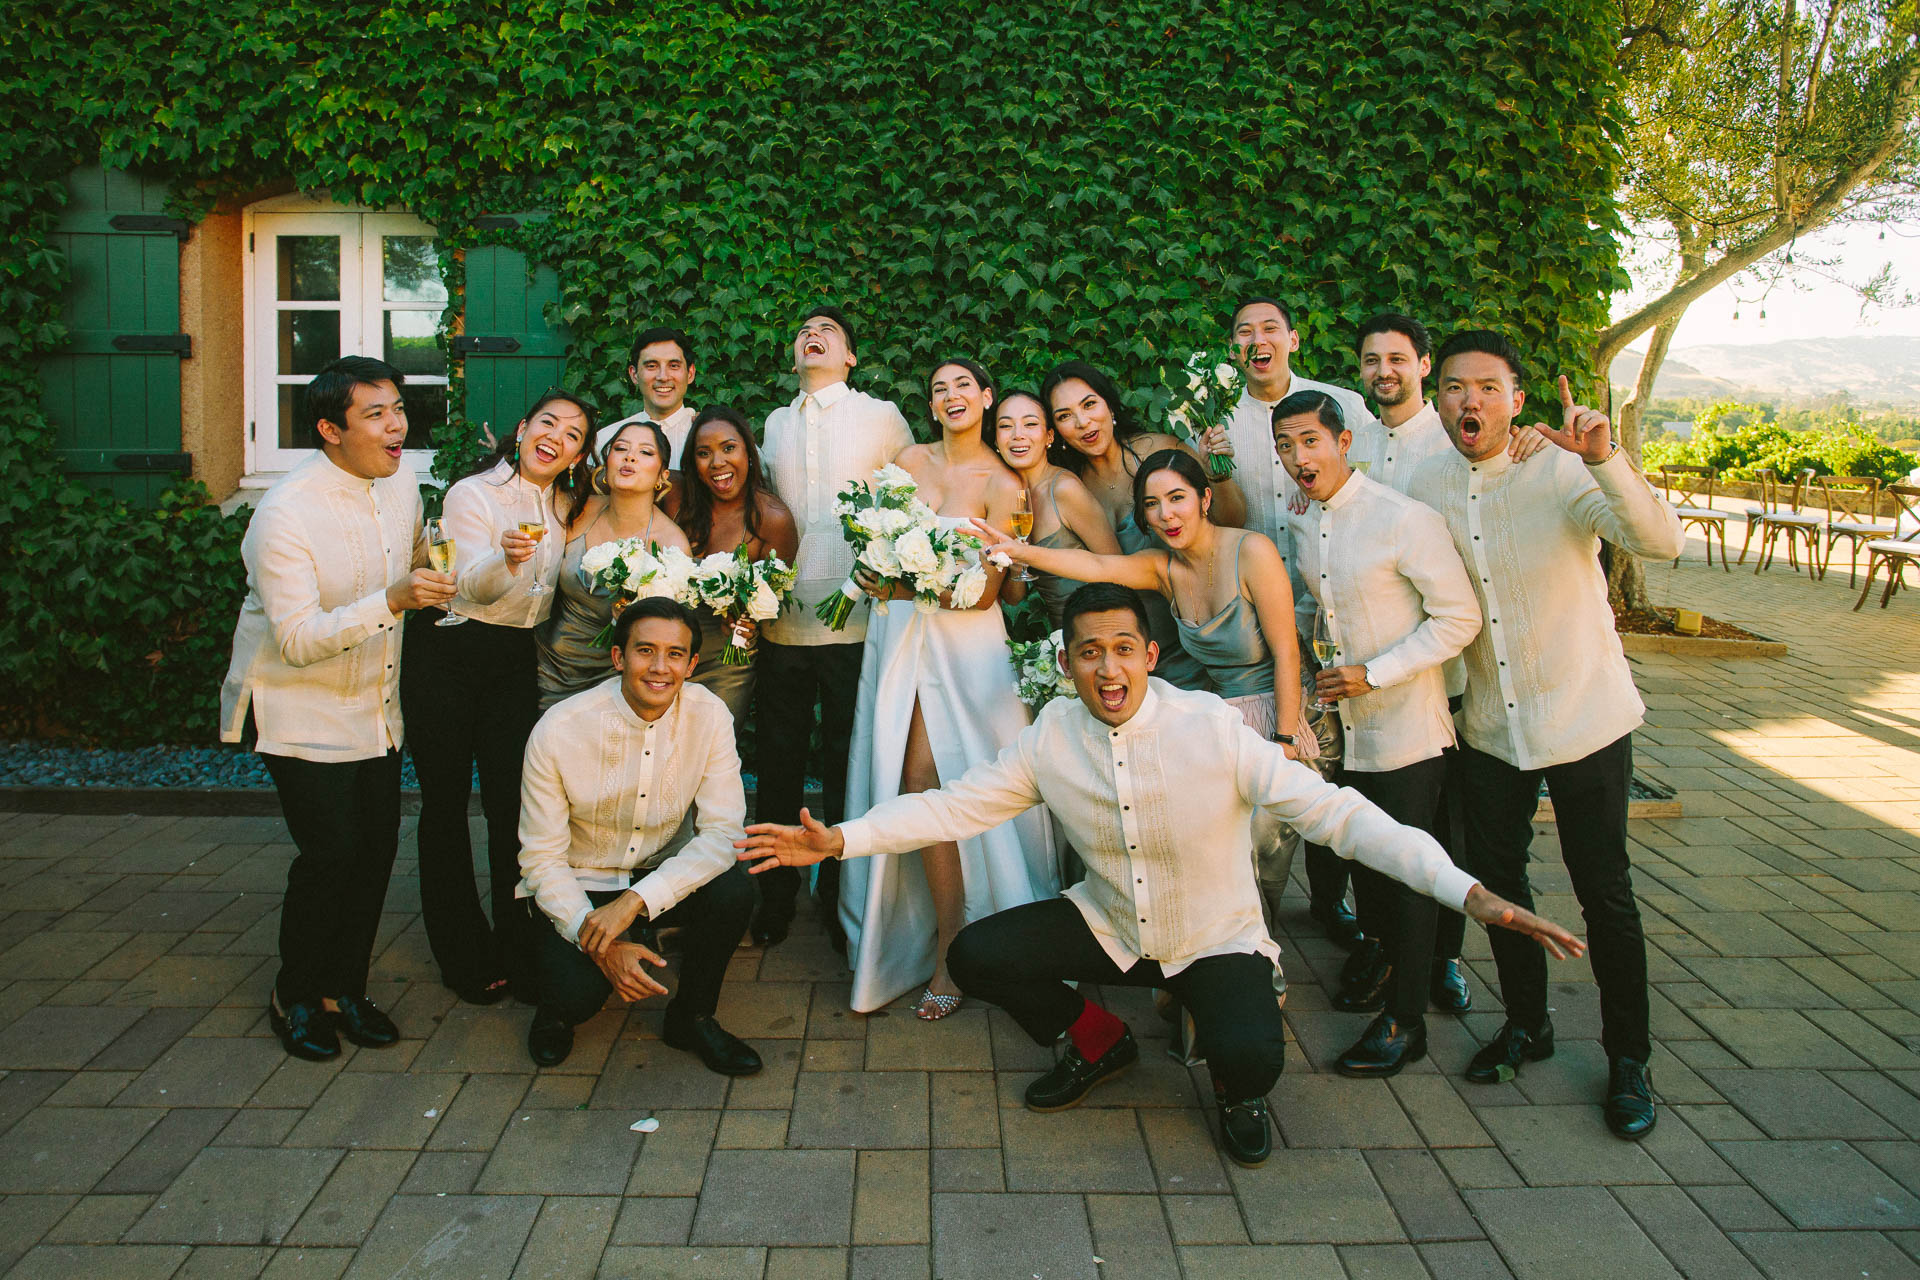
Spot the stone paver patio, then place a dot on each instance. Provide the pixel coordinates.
(150, 1127)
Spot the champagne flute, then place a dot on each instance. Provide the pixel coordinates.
(536, 529)
(440, 554)
(1324, 648)
(1022, 526)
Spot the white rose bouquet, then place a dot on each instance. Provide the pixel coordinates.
(1205, 391)
(629, 569)
(735, 587)
(898, 538)
(1037, 671)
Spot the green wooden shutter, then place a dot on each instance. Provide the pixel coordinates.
(511, 352)
(113, 393)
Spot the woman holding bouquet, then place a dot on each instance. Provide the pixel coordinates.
(1105, 447)
(534, 481)
(1065, 513)
(937, 696)
(724, 505)
(633, 475)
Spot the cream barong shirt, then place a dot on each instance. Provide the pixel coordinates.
(478, 510)
(316, 651)
(1256, 464)
(1399, 604)
(1405, 449)
(1547, 682)
(604, 793)
(1158, 809)
(676, 424)
(813, 447)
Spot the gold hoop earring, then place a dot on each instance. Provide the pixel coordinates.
(599, 478)
(661, 486)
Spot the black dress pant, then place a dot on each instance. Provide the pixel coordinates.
(345, 822)
(711, 920)
(1021, 959)
(1328, 873)
(791, 680)
(469, 697)
(1405, 918)
(1590, 808)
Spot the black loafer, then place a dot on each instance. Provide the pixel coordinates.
(361, 1021)
(550, 1039)
(719, 1048)
(1629, 1109)
(1363, 982)
(1073, 1077)
(1387, 1046)
(305, 1031)
(1339, 922)
(1246, 1133)
(1449, 991)
(770, 926)
(484, 992)
(1500, 1060)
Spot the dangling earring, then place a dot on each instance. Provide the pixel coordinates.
(600, 478)
(516, 453)
(661, 486)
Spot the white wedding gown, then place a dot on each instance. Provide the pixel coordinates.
(956, 662)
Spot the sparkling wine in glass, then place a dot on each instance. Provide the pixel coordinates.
(1022, 525)
(440, 555)
(536, 529)
(1324, 647)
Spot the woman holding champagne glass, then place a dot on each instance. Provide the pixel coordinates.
(632, 476)
(1060, 511)
(489, 536)
(725, 504)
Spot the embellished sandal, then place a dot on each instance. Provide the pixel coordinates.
(932, 1007)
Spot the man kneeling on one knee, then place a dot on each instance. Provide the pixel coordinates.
(1154, 787)
(610, 779)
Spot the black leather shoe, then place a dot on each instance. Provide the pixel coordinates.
(305, 1031)
(1339, 922)
(1073, 1077)
(1500, 1060)
(550, 1039)
(1387, 1045)
(719, 1048)
(361, 1021)
(1629, 1110)
(1245, 1131)
(1363, 986)
(1449, 991)
(770, 926)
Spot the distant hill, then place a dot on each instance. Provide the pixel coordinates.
(1869, 371)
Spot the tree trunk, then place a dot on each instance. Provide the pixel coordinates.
(1626, 578)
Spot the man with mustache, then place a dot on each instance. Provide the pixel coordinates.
(1549, 694)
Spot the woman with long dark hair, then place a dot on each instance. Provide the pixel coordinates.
(725, 504)
(1104, 448)
(467, 688)
(1065, 512)
(632, 477)
(937, 696)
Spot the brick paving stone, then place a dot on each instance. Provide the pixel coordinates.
(1828, 1255)
(752, 1129)
(1466, 1260)
(1439, 1112)
(1382, 1262)
(478, 1114)
(474, 1237)
(1332, 1111)
(959, 1042)
(1417, 1187)
(1799, 1104)
(236, 1195)
(350, 1202)
(891, 1198)
(235, 1262)
(578, 1153)
(975, 1234)
(1776, 1038)
(1315, 1197)
(83, 1262)
(200, 1071)
(771, 1088)
(52, 1038)
(186, 981)
(764, 1010)
(645, 1075)
(965, 1110)
(1568, 1146)
(859, 1109)
(1130, 1237)
(259, 1127)
(673, 1160)
(166, 1149)
(68, 1149)
(967, 1169)
(1685, 1234)
(654, 1219)
(25, 1218)
(1823, 1185)
(806, 1264)
(776, 1197)
(98, 1219)
(1185, 1154)
(376, 1112)
(1260, 1262)
(1081, 1150)
(1205, 1220)
(1572, 1233)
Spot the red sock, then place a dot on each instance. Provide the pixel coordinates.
(1095, 1031)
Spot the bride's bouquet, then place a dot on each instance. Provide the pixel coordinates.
(631, 568)
(735, 586)
(1205, 392)
(899, 538)
(1037, 671)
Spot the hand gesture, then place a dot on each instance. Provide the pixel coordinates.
(1584, 431)
(622, 963)
(876, 587)
(1491, 909)
(1341, 682)
(1217, 443)
(1525, 442)
(997, 543)
(517, 547)
(604, 925)
(421, 589)
(778, 846)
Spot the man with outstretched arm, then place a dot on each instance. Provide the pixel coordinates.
(1155, 787)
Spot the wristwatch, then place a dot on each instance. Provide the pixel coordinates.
(1367, 676)
(1613, 447)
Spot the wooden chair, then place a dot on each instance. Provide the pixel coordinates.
(1777, 515)
(1853, 509)
(1899, 552)
(1689, 492)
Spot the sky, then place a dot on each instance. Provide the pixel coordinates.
(1817, 308)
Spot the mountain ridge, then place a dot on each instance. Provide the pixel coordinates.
(1880, 371)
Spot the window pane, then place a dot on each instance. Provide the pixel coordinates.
(308, 340)
(411, 270)
(412, 346)
(309, 268)
(426, 413)
(295, 432)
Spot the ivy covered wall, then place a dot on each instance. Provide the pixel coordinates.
(1016, 182)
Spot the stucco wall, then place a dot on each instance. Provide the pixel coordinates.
(213, 423)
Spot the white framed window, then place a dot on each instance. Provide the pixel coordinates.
(325, 281)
